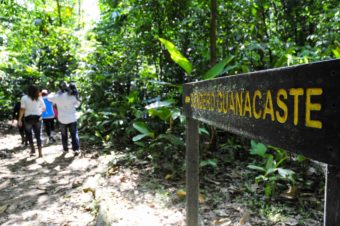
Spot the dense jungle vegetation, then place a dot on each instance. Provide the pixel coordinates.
(130, 81)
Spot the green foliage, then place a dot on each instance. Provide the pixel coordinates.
(131, 89)
(34, 48)
(217, 69)
(270, 169)
(209, 162)
(143, 129)
(176, 55)
(258, 149)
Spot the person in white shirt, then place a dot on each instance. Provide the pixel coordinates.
(31, 107)
(67, 102)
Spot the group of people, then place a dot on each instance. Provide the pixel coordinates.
(38, 107)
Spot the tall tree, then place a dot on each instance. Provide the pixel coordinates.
(213, 31)
(59, 13)
(213, 59)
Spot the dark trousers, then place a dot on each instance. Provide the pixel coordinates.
(22, 133)
(72, 127)
(36, 126)
(49, 125)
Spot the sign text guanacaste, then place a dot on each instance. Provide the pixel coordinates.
(293, 108)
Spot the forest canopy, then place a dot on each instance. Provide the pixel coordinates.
(121, 60)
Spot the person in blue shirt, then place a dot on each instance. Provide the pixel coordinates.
(48, 116)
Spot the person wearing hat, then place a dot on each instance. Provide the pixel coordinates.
(48, 116)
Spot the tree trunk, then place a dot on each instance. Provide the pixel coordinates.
(213, 32)
(59, 14)
(213, 60)
(79, 14)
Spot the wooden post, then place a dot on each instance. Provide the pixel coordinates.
(192, 173)
(332, 196)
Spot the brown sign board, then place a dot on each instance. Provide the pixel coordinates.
(294, 108)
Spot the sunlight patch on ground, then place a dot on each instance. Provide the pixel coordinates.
(80, 164)
(44, 180)
(10, 142)
(34, 167)
(57, 168)
(30, 215)
(49, 156)
(141, 214)
(52, 149)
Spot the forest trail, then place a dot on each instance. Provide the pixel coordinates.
(63, 189)
(117, 189)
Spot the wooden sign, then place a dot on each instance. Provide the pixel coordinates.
(293, 108)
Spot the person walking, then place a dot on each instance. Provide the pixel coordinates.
(15, 116)
(48, 116)
(31, 108)
(66, 100)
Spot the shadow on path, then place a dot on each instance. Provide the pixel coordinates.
(37, 190)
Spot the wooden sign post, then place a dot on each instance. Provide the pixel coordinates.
(294, 108)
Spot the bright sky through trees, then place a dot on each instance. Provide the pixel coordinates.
(91, 10)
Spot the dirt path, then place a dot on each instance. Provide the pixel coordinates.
(61, 189)
(118, 189)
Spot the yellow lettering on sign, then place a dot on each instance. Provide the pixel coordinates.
(268, 106)
(187, 99)
(296, 92)
(247, 105)
(239, 102)
(282, 105)
(225, 108)
(204, 97)
(212, 101)
(192, 104)
(312, 107)
(243, 103)
(232, 102)
(257, 95)
(207, 101)
(219, 101)
(196, 100)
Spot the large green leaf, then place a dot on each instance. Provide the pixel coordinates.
(164, 83)
(142, 127)
(163, 113)
(258, 149)
(144, 130)
(159, 104)
(209, 162)
(139, 137)
(202, 130)
(175, 113)
(270, 163)
(285, 173)
(217, 69)
(177, 56)
(336, 52)
(258, 168)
